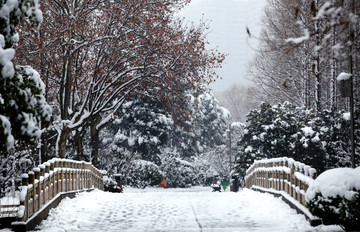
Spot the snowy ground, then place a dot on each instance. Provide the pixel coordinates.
(195, 209)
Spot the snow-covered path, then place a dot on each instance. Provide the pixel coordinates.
(195, 209)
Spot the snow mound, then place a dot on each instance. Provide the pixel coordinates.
(335, 182)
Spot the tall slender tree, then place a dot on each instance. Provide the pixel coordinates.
(304, 46)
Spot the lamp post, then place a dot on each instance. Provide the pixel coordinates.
(228, 147)
(346, 89)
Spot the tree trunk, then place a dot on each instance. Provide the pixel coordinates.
(317, 70)
(78, 143)
(61, 142)
(94, 139)
(333, 87)
(318, 87)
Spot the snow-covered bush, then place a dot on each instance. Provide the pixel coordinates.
(335, 197)
(320, 140)
(141, 173)
(135, 171)
(178, 172)
(110, 185)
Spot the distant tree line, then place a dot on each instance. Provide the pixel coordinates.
(303, 47)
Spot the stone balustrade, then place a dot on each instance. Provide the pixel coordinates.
(281, 174)
(55, 176)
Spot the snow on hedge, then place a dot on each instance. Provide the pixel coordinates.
(335, 182)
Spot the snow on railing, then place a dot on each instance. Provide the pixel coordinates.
(281, 174)
(9, 206)
(52, 178)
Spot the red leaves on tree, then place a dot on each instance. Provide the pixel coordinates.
(93, 53)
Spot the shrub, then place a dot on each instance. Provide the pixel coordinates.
(350, 212)
(141, 173)
(110, 185)
(179, 173)
(335, 197)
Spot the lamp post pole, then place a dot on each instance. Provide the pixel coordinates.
(346, 89)
(352, 39)
(228, 143)
(352, 124)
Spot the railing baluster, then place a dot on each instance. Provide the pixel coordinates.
(55, 176)
(281, 175)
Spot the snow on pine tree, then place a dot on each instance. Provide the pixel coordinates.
(336, 124)
(143, 127)
(282, 130)
(205, 129)
(204, 143)
(133, 143)
(210, 122)
(321, 140)
(22, 104)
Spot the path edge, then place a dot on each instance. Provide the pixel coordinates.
(314, 221)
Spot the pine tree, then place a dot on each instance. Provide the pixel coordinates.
(22, 102)
(143, 128)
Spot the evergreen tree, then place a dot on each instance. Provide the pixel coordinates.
(143, 128)
(210, 122)
(295, 132)
(22, 104)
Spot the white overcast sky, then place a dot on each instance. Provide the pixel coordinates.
(228, 22)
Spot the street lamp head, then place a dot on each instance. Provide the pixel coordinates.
(345, 84)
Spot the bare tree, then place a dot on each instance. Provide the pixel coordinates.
(303, 46)
(96, 52)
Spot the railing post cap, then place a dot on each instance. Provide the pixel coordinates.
(24, 175)
(25, 179)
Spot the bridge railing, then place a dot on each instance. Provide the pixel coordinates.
(51, 178)
(281, 174)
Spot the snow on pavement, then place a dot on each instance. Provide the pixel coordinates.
(195, 209)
